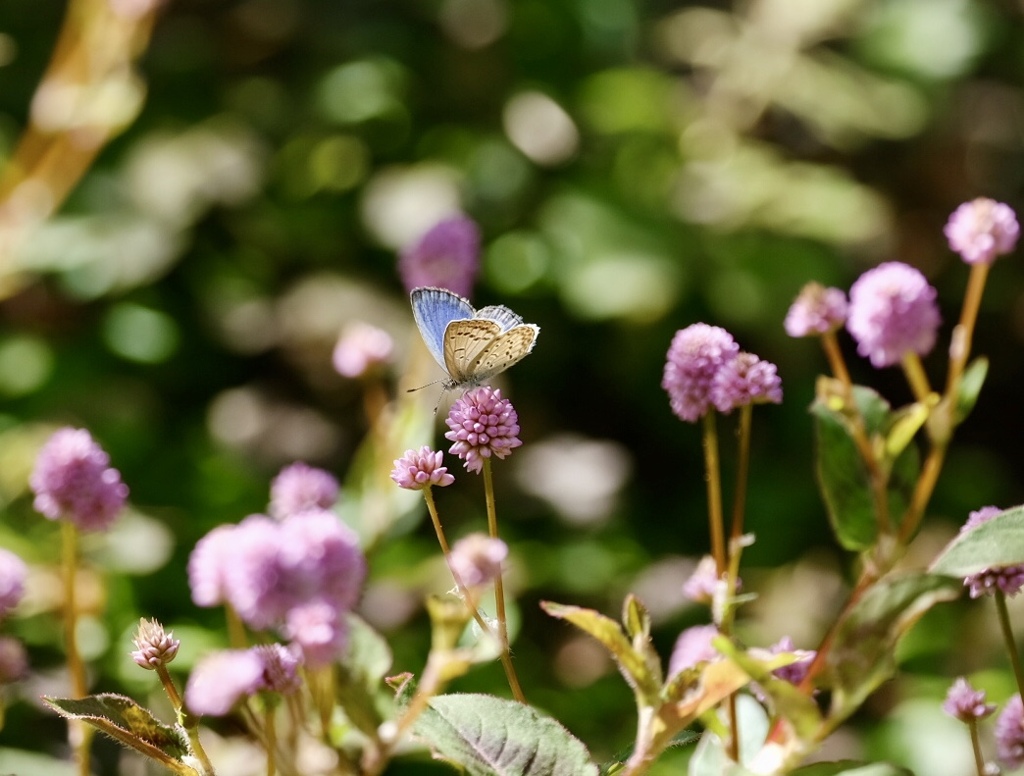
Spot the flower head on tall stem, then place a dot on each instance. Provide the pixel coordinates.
(965, 703)
(696, 354)
(419, 469)
(362, 349)
(1008, 579)
(982, 230)
(893, 313)
(299, 487)
(482, 424)
(745, 380)
(72, 481)
(476, 559)
(817, 310)
(446, 256)
(154, 646)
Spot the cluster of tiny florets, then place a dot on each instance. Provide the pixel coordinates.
(482, 424)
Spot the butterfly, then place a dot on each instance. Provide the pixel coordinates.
(472, 346)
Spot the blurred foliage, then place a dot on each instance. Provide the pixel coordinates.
(634, 167)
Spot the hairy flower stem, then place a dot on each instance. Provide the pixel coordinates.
(79, 734)
(499, 590)
(713, 478)
(470, 600)
(186, 720)
(1011, 643)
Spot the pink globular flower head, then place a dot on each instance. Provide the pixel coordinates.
(482, 424)
(1008, 579)
(476, 559)
(280, 667)
(222, 679)
(694, 358)
(965, 703)
(1009, 733)
(982, 230)
(320, 631)
(208, 564)
(817, 310)
(447, 256)
(744, 380)
(361, 349)
(12, 581)
(419, 469)
(892, 313)
(72, 481)
(154, 646)
(299, 487)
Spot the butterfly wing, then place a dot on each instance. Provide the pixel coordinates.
(500, 315)
(464, 342)
(503, 351)
(434, 309)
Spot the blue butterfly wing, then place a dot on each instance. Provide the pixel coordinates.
(434, 309)
(501, 315)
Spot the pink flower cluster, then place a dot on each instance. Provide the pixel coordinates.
(222, 679)
(704, 368)
(299, 488)
(72, 481)
(447, 256)
(1008, 579)
(300, 575)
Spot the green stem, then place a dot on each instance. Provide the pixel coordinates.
(1011, 643)
(713, 478)
(742, 471)
(917, 378)
(271, 731)
(79, 734)
(187, 721)
(467, 595)
(499, 590)
(963, 334)
(979, 758)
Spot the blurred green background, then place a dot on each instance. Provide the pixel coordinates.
(634, 167)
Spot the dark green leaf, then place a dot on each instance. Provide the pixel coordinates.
(996, 542)
(490, 736)
(861, 657)
(124, 720)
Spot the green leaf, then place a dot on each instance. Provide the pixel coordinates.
(842, 474)
(861, 657)
(361, 674)
(635, 665)
(490, 736)
(124, 720)
(971, 382)
(851, 768)
(996, 542)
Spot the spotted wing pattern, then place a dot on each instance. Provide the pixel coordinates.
(504, 351)
(464, 342)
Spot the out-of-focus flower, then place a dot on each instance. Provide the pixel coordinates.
(794, 673)
(694, 358)
(280, 667)
(153, 645)
(419, 469)
(482, 424)
(982, 230)
(892, 313)
(362, 349)
(1009, 733)
(208, 565)
(704, 584)
(222, 679)
(299, 487)
(447, 256)
(301, 575)
(965, 703)
(744, 380)
(12, 581)
(72, 481)
(693, 647)
(817, 310)
(476, 559)
(13, 660)
(319, 628)
(1009, 579)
